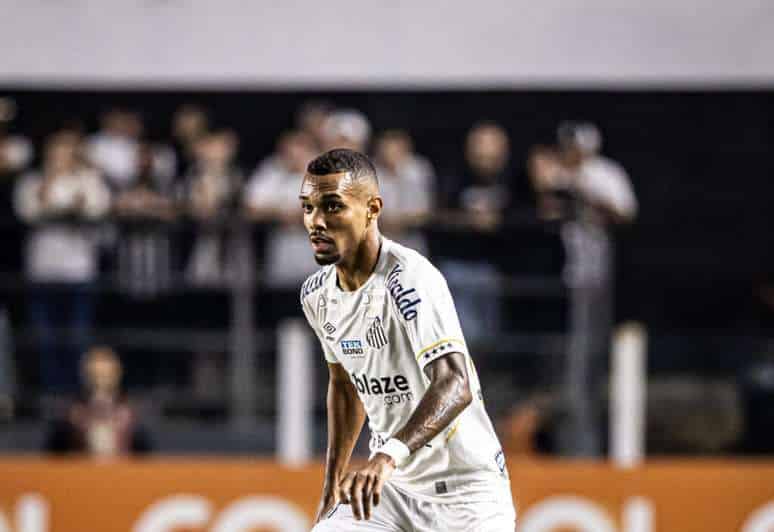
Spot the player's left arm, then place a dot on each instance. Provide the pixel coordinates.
(446, 397)
(442, 354)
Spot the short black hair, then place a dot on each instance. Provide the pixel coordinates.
(343, 160)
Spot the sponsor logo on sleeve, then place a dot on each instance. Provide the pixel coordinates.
(406, 298)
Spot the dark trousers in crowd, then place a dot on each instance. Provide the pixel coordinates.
(61, 316)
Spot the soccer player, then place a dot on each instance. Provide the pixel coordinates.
(395, 352)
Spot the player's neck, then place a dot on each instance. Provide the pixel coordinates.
(354, 274)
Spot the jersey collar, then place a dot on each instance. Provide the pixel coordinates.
(381, 262)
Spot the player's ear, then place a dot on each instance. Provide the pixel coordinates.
(374, 208)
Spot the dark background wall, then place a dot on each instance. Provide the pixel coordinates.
(701, 164)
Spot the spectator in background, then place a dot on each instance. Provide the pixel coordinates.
(189, 124)
(144, 247)
(551, 183)
(311, 120)
(601, 196)
(211, 193)
(59, 202)
(591, 194)
(101, 423)
(347, 128)
(406, 181)
(601, 183)
(15, 154)
(487, 184)
(479, 200)
(271, 196)
(15, 150)
(114, 148)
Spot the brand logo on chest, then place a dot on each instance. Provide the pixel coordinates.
(375, 335)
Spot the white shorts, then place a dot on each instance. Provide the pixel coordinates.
(399, 512)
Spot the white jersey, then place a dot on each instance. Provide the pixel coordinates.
(384, 334)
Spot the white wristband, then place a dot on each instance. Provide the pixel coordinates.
(397, 450)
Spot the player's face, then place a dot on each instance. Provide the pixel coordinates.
(335, 215)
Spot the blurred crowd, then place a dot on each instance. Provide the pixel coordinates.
(81, 193)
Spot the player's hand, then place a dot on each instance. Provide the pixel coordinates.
(362, 488)
(327, 502)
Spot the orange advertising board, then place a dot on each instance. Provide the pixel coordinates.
(260, 496)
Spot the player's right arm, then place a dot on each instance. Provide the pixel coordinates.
(346, 416)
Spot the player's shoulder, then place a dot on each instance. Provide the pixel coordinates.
(407, 267)
(315, 282)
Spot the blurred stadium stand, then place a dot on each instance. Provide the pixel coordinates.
(153, 150)
(700, 236)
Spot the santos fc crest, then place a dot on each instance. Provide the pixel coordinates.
(375, 335)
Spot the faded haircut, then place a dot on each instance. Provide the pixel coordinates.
(340, 160)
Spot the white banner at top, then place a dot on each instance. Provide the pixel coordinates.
(400, 43)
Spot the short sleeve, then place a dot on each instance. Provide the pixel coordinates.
(429, 314)
(330, 356)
